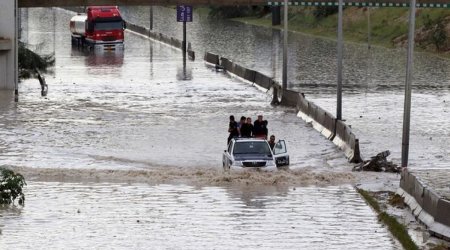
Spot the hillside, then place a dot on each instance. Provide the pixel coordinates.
(389, 26)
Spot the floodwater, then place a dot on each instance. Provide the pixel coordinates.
(125, 153)
(117, 216)
(373, 81)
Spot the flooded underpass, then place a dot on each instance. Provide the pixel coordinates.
(125, 153)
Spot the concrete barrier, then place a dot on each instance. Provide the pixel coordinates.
(263, 80)
(212, 58)
(175, 43)
(346, 140)
(302, 105)
(191, 54)
(162, 38)
(238, 70)
(443, 212)
(430, 208)
(249, 75)
(290, 98)
(226, 64)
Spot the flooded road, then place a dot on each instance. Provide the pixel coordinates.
(135, 109)
(373, 81)
(125, 153)
(122, 216)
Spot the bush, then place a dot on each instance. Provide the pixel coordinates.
(11, 185)
(236, 11)
(324, 11)
(439, 36)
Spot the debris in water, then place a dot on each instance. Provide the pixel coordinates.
(378, 163)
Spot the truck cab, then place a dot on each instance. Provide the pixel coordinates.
(104, 26)
(101, 27)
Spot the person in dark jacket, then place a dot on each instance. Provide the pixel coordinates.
(272, 142)
(232, 129)
(247, 128)
(240, 124)
(260, 128)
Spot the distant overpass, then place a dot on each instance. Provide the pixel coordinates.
(380, 3)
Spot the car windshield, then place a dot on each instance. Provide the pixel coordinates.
(109, 25)
(252, 147)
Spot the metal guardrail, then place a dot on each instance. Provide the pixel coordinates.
(357, 3)
(65, 3)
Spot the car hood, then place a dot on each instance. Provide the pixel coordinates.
(252, 157)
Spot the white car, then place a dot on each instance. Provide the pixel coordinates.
(254, 153)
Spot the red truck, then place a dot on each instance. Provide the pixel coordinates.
(101, 27)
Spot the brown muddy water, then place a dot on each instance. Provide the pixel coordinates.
(122, 216)
(125, 153)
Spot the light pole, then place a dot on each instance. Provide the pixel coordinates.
(409, 69)
(339, 68)
(285, 44)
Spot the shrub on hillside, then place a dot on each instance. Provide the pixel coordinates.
(237, 11)
(324, 11)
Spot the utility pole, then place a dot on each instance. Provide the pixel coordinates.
(409, 69)
(151, 17)
(285, 44)
(339, 69)
(16, 51)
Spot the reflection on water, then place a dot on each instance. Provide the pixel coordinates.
(104, 58)
(118, 216)
(184, 71)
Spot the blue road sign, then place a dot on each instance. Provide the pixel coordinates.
(184, 13)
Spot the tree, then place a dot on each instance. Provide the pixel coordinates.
(11, 185)
(30, 61)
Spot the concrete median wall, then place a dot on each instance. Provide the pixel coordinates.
(430, 208)
(290, 98)
(212, 58)
(347, 141)
(263, 80)
(336, 131)
(174, 42)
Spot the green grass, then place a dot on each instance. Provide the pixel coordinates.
(386, 23)
(398, 230)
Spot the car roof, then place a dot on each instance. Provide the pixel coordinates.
(246, 139)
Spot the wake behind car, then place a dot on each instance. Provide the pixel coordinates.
(254, 153)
